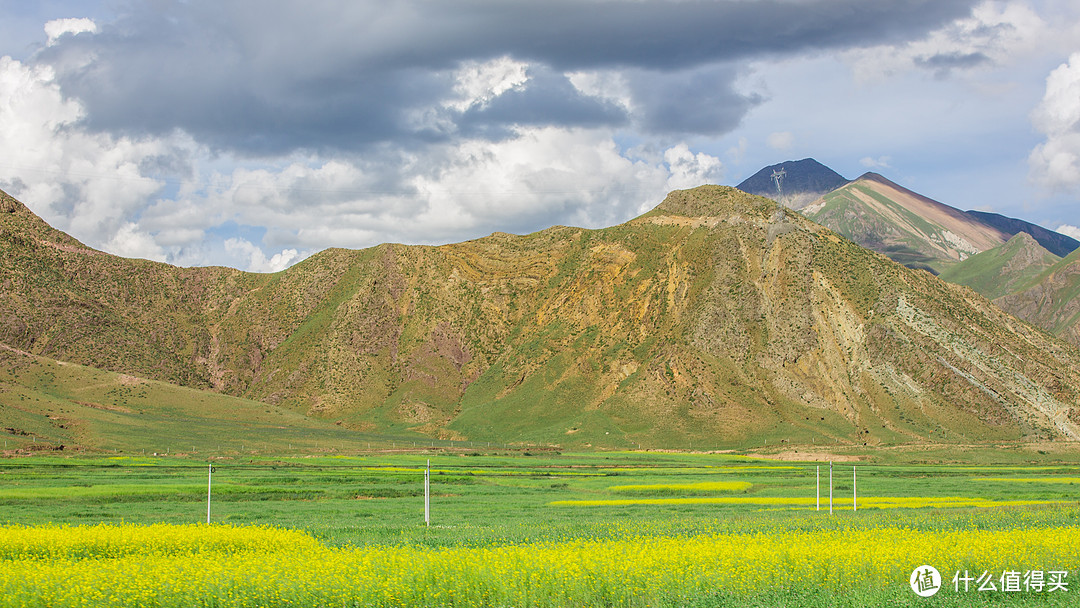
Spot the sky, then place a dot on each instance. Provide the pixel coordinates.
(255, 133)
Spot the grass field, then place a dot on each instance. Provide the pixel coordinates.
(600, 529)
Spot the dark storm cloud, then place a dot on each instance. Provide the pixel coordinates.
(267, 77)
(700, 101)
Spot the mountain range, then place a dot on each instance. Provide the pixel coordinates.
(717, 318)
(882, 215)
(1026, 269)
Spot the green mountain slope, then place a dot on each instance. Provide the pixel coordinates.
(64, 300)
(1051, 300)
(47, 406)
(1004, 269)
(716, 318)
(912, 229)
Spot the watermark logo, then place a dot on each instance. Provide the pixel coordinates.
(1012, 581)
(925, 581)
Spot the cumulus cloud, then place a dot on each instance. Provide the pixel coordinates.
(58, 27)
(130, 242)
(1056, 162)
(477, 83)
(689, 169)
(609, 85)
(200, 131)
(1068, 230)
(453, 191)
(98, 186)
(546, 176)
(85, 183)
(549, 98)
(257, 260)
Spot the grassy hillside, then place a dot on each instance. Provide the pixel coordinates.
(1052, 299)
(715, 319)
(64, 300)
(50, 406)
(1029, 282)
(1003, 270)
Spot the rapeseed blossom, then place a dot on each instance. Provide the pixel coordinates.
(225, 566)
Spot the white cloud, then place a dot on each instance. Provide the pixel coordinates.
(97, 186)
(782, 141)
(442, 193)
(1059, 111)
(477, 83)
(85, 183)
(256, 260)
(1068, 230)
(541, 176)
(58, 27)
(1055, 163)
(608, 85)
(881, 162)
(130, 242)
(689, 170)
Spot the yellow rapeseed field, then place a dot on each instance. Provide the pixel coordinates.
(1063, 480)
(701, 486)
(224, 566)
(872, 502)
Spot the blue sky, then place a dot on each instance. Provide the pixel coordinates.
(253, 134)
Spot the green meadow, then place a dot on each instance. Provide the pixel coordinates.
(358, 498)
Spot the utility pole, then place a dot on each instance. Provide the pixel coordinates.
(427, 494)
(209, 483)
(778, 179)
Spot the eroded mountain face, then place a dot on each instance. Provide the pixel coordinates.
(716, 315)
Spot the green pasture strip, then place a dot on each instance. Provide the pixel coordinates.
(378, 498)
(130, 490)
